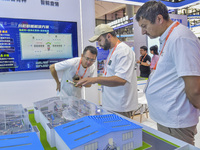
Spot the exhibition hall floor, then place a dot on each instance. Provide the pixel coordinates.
(149, 122)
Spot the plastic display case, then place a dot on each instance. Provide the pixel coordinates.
(14, 119)
(53, 112)
(16, 131)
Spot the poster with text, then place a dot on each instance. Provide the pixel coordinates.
(27, 44)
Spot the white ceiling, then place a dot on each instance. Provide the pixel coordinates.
(102, 8)
(110, 9)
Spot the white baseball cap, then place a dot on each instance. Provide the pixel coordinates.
(99, 30)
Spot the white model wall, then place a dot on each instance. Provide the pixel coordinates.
(28, 87)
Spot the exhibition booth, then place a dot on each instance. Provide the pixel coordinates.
(36, 34)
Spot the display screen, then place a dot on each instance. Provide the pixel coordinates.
(27, 44)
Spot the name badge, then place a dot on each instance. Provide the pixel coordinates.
(110, 61)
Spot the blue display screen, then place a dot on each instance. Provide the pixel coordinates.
(27, 44)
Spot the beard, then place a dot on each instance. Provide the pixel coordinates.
(107, 45)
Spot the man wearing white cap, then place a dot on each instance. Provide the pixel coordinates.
(119, 81)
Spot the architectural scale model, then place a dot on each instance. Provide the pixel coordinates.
(52, 112)
(22, 141)
(52, 109)
(16, 132)
(90, 127)
(62, 111)
(14, 119)
(102, 132)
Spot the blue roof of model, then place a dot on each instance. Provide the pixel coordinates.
(88, 128)
(24, 141)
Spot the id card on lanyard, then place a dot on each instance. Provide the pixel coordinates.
(108, 61)
(150, 76)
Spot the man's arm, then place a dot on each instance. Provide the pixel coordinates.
(107, 81)
(88, 85)
(55, 76)
(145, 63)
(148, 61)
(192, 89)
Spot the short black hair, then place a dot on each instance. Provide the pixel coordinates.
(154, 49)
(150, 10)
(90, 48)
(144, 48)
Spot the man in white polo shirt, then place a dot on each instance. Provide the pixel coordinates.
(73, 70)
(119, 81)
(173, 90)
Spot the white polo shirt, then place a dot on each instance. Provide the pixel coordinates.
(167, 101)
(121, 98)
(69, 68)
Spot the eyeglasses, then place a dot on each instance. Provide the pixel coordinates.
(89, 59)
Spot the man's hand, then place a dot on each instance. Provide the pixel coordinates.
(86, 82)
(58, 87)
(75, 83)
(106, 81)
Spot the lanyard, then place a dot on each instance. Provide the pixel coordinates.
(79, 69)
(107, 61)
(143, 57)
(170, 31)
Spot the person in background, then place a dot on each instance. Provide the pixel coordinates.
(73, 70)
(154, 51)
(145, 61)
(119, 82)
(173, 89)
